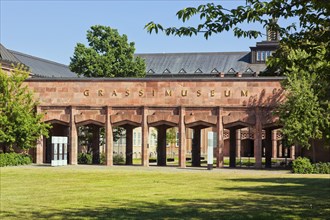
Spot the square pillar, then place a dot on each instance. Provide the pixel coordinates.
(238, 143)
(268, 153)
(40, 151)
(108, 138)
(220, 140)
(73, 138)
(274, 144)
(258, 139)
(293, 152)
(40, 146)
(232, 147)
(182, 141)
(145, 129)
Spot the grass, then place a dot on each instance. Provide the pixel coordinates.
(120, 192)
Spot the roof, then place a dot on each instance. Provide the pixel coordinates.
(157, 64)
(200, 63)
(7, 56)
(43, 68)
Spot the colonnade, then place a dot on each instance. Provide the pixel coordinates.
(183, 118)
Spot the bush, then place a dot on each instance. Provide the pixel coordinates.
(84, 158)
(102, 159)
(321, 168)
(302, 165)
(14, 159)
(118, 159)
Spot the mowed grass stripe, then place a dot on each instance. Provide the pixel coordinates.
(96, 192)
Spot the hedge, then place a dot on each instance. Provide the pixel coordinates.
(14, 159)
(303, 165)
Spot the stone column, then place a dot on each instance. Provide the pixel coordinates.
(232, 147)
(182, 141)
(196, 148)
(238, 143)
(258, 139)
(145, 129)
(220, 141)
(108, 138)
(73, 138)
(280, 150)
(274, 144)
(293, 152)
(40, 146)
(129, 144)
(268, 153)
(161, 145)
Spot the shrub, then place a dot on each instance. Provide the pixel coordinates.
(84, 158)
(321, 168)
(14, 159)
(118, 159)
(102, 158)
(302, 165)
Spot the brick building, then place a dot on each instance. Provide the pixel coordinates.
(205, 97)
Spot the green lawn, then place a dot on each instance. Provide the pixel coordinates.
(99, 192)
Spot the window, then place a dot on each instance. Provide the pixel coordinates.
(139, 139)
(263, 55)
(134, 138)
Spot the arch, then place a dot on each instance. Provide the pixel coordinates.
(56, 121)
(122, 119)
(200, 120)
(163, 118)
(89, 121)
(83, 119)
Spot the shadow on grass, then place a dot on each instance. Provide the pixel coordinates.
(278, 198)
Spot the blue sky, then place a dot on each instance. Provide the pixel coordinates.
(51, 29)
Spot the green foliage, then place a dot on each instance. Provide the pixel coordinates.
(20, 124)
(103, 159)
(118, 159)
(171, 136)
(321, 168)
(108, 55)
(303, 56)
(14, 159)
(302, 165)
(85, 158)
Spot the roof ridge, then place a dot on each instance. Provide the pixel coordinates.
(37, 58)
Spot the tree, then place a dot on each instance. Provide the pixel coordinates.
(108, 55)
(303, 56)
(20, 124)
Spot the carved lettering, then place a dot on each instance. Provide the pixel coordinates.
(141, 93)
(114, 93)
(153, 92)
(227, 93)
(127, 92)
(199, 93)
(100, 92)
(184, 92)
(212, 93)
(244, 93)
(168, 93)
(86, 92)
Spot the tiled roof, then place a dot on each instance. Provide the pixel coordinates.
(200, 63)
(43, 68)
(7, 56)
